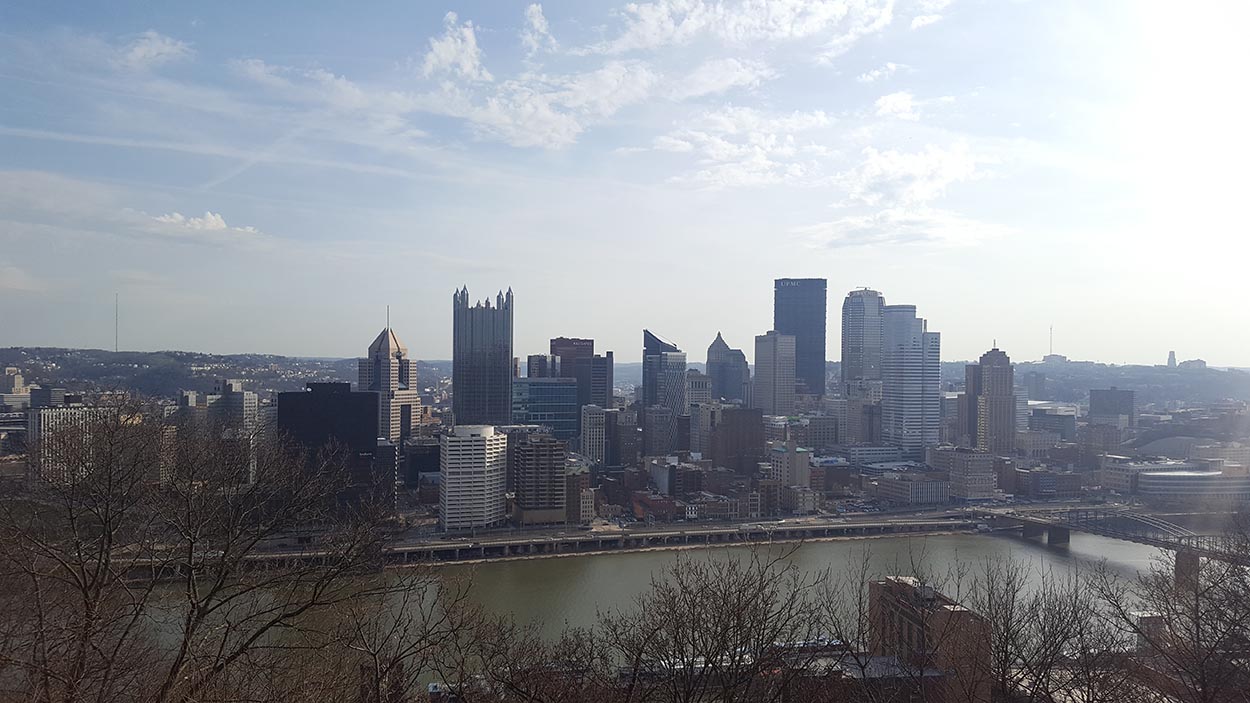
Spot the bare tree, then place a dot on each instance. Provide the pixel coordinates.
(163, 561)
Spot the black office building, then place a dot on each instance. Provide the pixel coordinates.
(481, 366)
(333, 415)
(800, 309)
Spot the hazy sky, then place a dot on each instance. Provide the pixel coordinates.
(268, 176)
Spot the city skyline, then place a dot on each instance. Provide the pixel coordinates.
(222, 168)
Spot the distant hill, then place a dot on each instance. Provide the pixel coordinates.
(163, 374)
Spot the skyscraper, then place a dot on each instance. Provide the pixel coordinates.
(472, 475)
(389, 372)
(663, 385)
(698, 389)
(594, 376)
(911, 399)
(800, 309)
(594, 433)
(861, 339)
(539, 465)
(570, 348)
(991, 402)
(775, 363)
(728, 370)
(481, 372)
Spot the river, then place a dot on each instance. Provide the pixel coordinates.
(570, 590)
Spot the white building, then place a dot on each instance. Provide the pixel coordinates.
(473, 473)
(911, 398)
(773, 386)
(594, 433)
(790, 464)
(698, 389)
(971, 472)
(61, 441)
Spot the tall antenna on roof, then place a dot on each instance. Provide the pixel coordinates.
(388, 317)
(116, 318)
(1052, 339)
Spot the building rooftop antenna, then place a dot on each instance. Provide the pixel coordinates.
(116, 318)
(1052, 339)
(388, 317)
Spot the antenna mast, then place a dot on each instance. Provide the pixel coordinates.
(1052, 339)
(116, 318)
(388, 317)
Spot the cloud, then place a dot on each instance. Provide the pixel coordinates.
(17, 280)
(719, 75)
(893, 178)
(210, 222)
(653, 25)
(924, 20)
(901, 226)
(456, 52)
(739, 147)
(900, 105)
(149, 50)
(879, 74)
(536, 35)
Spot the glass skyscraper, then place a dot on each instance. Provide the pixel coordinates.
(800, 309)
(663, 385)
(481, 373)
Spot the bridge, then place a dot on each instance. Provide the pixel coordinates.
(1122, 523)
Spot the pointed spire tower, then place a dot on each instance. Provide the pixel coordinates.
(389, 372)
(728, 370)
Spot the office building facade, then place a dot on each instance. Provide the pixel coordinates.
(539, 468)
(729, 372)
(861, 339)
(389, 372)
(663, 386)
(550, 402)
(911, 398)
(775, 373)
(800, 309)
(482, 360)
(473, 466)
(989, 404)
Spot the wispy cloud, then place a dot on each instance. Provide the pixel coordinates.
(17, 280)
(149, 50)
(884, 72)
(536, 34)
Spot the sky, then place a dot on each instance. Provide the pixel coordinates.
(268, 177)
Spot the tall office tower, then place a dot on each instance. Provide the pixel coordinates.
(622, 438)
(234, 407)
(728, 369)
(1111, 406)
(473, 465)
(550, 402)
(990, 399)
(594, 376)
(594, 433)
(481, 372)
(659, 431)
(698, 389)
(703, 418)
(664, 386)
(571, 348)
(861, 339)
(800, 309)
(539, 466)
(911, 397)
(738, 440)
(332, 413)
(389, 372)
(542, 366)
(775, 364)
(61, 441)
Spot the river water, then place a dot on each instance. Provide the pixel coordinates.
(571, 590)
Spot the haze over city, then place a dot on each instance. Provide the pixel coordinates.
(268, 179)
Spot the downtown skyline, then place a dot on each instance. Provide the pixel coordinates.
(249, 181)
